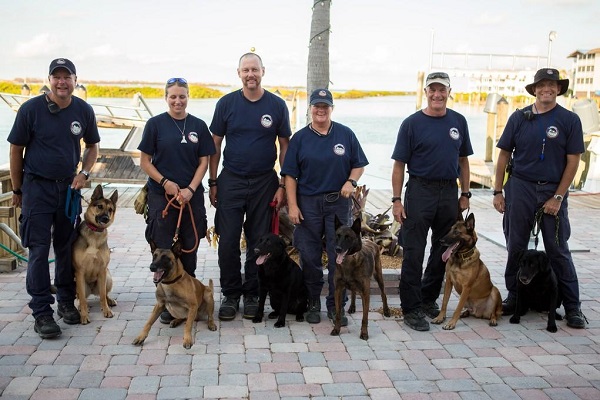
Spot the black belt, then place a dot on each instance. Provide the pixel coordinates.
(250, 176)
(433, 181)
(35, 177)
(541, 183)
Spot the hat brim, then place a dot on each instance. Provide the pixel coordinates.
(564, 86)
(321, 101)
(63, 67)
(438, 80)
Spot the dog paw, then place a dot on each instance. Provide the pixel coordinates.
(351, 310)
(552, 328)
(111, 302)
(257, 319)
(515, 319)
(437, 320)
(212, 326)
(279, 324)
(448, 327)
(386, 312)
(108, 314)
(493, 322)
(176, 322)
(364, 336)
(84, 319)
(335, 332)
(138, 341)
(300, 318)
(187, 344)
(273, 315)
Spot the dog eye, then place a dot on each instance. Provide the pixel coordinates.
(100, 207)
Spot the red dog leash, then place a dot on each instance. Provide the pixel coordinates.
(274, 218)
(171, 203)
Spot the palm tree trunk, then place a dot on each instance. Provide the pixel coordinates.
(318, 52)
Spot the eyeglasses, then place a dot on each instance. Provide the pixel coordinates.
(438, 75)
(179, 80)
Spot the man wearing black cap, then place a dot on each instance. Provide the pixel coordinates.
(50, 127)
(545, 142)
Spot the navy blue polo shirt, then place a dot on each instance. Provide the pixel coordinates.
(558, 132)
(175, 160)
(431, 146)
(322, 163)
(250, 129)
(53, 141)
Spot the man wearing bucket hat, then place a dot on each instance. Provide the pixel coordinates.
(545, 142)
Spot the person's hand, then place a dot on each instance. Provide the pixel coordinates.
(347, 189)
(463, 203)
(17, 199)
(499, 203)
(295, 214)
(212, 195)
(551, 206)
(185, 195)
(78, 182)
(398, 212)
(280, 198)
(171, 188)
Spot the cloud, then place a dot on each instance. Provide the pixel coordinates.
(487, 19)
(44, 44)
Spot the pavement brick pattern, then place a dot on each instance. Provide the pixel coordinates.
(242, 360)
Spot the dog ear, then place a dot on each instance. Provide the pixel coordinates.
(356, 226)
(98, 193)
(470, 222)
(114, 197)
(176, 248)
(459, 216)
(543, 261)
(152, 245)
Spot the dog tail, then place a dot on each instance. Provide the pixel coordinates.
(210, 285)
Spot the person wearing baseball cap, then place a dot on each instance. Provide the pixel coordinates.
(322, 166)
(433, 144)
(45, 150)
(545, 143)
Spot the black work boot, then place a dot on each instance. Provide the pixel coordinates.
(313, 316)
(343, 318)
(46, 327)
(576, 319)
(229, 308)
(250, 306)
(509, 305)
(68, 312)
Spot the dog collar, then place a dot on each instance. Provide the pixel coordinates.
(466, 254)
(173, 281)
(94, 227)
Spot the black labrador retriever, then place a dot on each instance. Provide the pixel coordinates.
(537, 288)
(281, 278)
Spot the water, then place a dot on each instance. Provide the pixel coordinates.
(375, 121)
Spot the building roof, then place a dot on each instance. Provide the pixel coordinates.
(577, 52)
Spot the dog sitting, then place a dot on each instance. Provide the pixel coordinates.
(537, 288)
(185, 297)
(357, 261)
(469, 276)
(91, 254)
(281, 278)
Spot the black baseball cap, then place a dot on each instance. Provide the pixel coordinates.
(62, 63)
(321, 96)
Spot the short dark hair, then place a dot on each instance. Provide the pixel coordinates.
(248, 55)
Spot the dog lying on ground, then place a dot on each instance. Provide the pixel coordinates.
(91, 254)
(357, 261)
(185, 297)
(281, 278)
(537, 288)
(469, 276)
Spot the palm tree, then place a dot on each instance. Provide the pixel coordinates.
(318, 51)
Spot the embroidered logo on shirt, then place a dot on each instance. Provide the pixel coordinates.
(552, 132)
(454, 134)
(266, 121)
(193, 137)
(339, 149)
(76, 128)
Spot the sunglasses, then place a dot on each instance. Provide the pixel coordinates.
(178, 80)
(438, 75)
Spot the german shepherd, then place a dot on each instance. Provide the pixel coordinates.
(185, 297)
(91, 254)
(537, 288)
(469, 276)
(282, 279)
(357, 261)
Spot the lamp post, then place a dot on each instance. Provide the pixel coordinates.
(551, 37)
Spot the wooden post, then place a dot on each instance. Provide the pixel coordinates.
(420, 80)
(489, 136)
(501, 119)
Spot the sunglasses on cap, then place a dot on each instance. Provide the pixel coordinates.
(179, 80)
(438, 75)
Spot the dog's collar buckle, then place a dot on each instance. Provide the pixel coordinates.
(467, 254)
(94, 227)
(173, 281)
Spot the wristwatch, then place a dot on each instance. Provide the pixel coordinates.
(559, 197)
(85, 173)
(353, 182)
(466, 194)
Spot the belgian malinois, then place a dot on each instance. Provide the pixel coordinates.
(184, 296)
(469, 276)
(91, 254)
(357, 261)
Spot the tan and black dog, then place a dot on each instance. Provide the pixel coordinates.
(357, 261)
(184, 296)
(91, 254)
(469, 276)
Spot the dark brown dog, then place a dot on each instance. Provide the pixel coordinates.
(281, 278)
(357, 261)
(469, 276)
(537, 288)
(91, 254)
(186, 298)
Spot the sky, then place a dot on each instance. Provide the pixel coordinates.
(374, 44)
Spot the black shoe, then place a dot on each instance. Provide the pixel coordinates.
(46, 327)
(509, 305)
(69, 313)
(432, 309)
(313, 316)
(331, 316)
(250, 306)
(576, 319)
(166, 317)
(229, 308)
(416, 320)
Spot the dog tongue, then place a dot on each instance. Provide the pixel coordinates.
(261, 259)
(340, 257)
(158, 276)
(449, 251)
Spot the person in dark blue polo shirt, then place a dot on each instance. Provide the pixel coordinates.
(174, 149)
(45, 150)
(434, 143)
(321, 169)
(252, 121)
(545, 141)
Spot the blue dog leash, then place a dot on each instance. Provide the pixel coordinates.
(72, 206)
